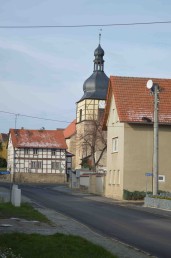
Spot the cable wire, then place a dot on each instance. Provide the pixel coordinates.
(35, 117)
(54, 120)
(83, 25)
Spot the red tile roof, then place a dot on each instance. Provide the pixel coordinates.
(70, 130)
(133, 99)
(23, 138)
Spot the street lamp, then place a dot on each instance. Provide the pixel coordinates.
(154, 87)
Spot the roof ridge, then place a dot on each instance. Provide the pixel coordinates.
(138, 77)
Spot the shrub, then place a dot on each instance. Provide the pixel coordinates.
(3, 163)
(136, 195)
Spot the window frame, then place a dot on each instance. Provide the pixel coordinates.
(118, 177)
(115, 142)
(162, 180)
(35, 151)
(80, 114)
(114, 177)
(113, 115)
(26, 151)
(36, 164)
(53, 152)
(110, 177)
(54, 165)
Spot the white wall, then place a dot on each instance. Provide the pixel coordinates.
(84, 180)
(10, 156)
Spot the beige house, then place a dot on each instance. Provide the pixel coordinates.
(129, 123)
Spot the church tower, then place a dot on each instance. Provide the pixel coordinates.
(91, 105)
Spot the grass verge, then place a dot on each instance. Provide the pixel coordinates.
(25, 211)
(52, 246)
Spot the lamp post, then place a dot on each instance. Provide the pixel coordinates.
(154, 87)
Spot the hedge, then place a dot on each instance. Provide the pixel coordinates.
(136, 195)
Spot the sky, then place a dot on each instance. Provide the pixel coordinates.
(42, 71)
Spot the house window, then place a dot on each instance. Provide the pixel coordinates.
(161, 178)
(26, 151)
(118, 178)
(81, 115)
(36, 164)
(113, 116)
(110, 177)
(115, 144)
(114, 175)
(53, 152)
(56, 165)
(35, 151)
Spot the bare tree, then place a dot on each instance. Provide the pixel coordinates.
(93, 143)
(1, 147)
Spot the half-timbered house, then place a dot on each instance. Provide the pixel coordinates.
(37, 151)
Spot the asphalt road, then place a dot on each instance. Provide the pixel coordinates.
(147, 231)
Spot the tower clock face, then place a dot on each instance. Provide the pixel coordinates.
(102, 104)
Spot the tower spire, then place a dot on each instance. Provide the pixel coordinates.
(100, 36)
(95, 87)
(99, 53)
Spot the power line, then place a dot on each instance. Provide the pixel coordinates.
(54, 120)
(35, 117)
(83, 25)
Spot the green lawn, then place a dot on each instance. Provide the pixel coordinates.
(25, 211)
(53, 246)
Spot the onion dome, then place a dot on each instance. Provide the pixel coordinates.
(99, 51)
(95, 87)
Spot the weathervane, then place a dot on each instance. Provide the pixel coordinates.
(100, 36)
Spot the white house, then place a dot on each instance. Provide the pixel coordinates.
(37, 151)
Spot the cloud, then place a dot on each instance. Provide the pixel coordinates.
(139, 59)
(19, 99)
(53, 60)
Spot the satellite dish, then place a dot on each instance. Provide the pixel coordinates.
(149, 84)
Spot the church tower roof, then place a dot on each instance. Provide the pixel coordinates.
(95, 87)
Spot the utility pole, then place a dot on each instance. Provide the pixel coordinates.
(16, 116)
(156, 140)
(154, 87)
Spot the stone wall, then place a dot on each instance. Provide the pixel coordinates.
(157, 203)
(5, 178)
(35, 178)
(96, 184)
